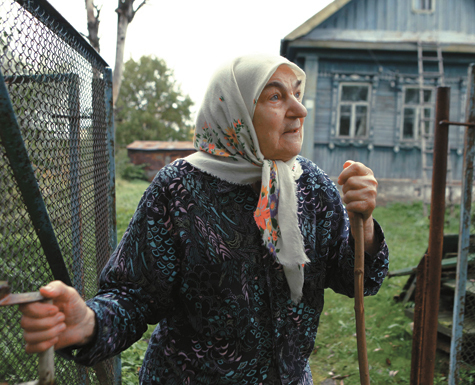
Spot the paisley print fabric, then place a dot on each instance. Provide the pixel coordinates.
(196, 264)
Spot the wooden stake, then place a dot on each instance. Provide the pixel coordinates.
(358, 234)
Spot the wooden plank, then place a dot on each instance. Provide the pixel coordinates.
(447, 263)
(450, 284)
(445, 323)
(410, 291)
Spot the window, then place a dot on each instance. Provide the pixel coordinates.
(353, 110)
(416, 115)
(423, 5)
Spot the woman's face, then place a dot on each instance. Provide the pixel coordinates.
(279, 115)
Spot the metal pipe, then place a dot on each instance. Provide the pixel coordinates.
(108, 95)
(464, 233)
(428, 287)
(111, 153)
(75, 183)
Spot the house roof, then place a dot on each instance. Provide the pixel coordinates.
(317, 19)
(155, 145)
(309, 35)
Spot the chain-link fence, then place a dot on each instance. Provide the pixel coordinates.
(462, 349)
(468, 341)
(59, 89)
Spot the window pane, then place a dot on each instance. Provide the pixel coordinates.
(427, 124)
(345, 119)
(354, 93)
(408, 123)
(423, 5)
(361, 121)
(427, 95)
(411, 96)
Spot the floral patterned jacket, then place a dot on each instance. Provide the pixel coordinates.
(193, 260)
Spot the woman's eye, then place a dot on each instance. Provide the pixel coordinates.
(274, 97)
(298, 94)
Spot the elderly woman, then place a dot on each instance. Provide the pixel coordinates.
(230, 249)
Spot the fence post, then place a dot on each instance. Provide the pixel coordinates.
(464, 232)
(117, 365)
(428, 283)
(110, 151)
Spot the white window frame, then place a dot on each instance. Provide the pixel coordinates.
(417, 114)
(430, 4)
(353, 105)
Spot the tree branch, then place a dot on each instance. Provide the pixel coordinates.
(140, 6)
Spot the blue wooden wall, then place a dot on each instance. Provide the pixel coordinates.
(387, 155)
(397, 15)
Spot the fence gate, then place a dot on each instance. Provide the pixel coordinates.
(57, 209)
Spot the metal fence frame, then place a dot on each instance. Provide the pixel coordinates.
(464, 234)
(24, 174)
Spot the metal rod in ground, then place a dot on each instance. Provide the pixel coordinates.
(46, 364)
(358, 234)
(464, 233)
(428, 287)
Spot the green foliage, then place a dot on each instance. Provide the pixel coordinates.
(134, 171)
(150, 105)
(125, 169)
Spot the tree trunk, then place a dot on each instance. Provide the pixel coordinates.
(126, 13)
(93, 23)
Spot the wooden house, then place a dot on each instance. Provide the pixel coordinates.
(372, 71)
(156, 154)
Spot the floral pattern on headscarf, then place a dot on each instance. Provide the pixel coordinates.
(267, 209)
(209, 140)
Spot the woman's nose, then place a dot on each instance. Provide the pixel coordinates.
(297, 109)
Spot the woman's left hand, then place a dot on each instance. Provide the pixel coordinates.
(359, 188)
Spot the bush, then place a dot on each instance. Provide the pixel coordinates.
(127, 170)
(132, 171)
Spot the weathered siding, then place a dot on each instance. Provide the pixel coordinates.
(388, 157)
(397, 15)
(323, 110)
(155, 160)
(384, 115)
(385, 163)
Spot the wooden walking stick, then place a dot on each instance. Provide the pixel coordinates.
(358, 234)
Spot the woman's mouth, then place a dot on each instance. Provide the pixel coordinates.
(293, 131)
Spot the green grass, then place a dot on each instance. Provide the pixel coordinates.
(389, 340)
(388, 331)
(128, 194)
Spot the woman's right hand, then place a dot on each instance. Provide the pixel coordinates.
(68, 321)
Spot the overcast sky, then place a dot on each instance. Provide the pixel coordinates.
(195, 36)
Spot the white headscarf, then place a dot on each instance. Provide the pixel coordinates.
(228, 149)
